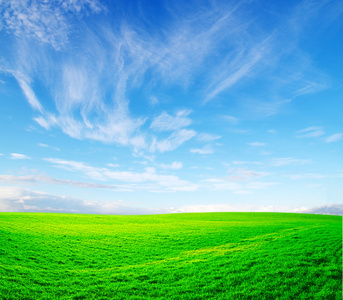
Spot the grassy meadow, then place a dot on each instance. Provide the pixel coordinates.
(176, 256)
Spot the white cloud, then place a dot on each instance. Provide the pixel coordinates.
(283, 161)
(328, 209)
(79, 6)
(175, 140)
(231, 119)
(206, 137)
(240, 181)
(265, 153)
(47, 121)
(15, 199)
(310, 87)
(239, 208)
(166, 122)
(257, 144)
(307, 176)
(239, 174)
(133, 180)
(43, 145)
(83, 111)
(153, 100)
(114, 60)
(207, 149)
(334, 138)
(29, 93)
(239, 69)
(310, 132)
(42, 20)
(38, 179)
(259, 185)
(263, 52)
(19, 156)
(47, 146)
(113, 165)
(175, 165)
(72, 166)
(246, 162)
(224, 185)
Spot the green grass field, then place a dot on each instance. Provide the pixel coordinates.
(176, 256)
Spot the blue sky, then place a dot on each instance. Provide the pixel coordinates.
(171, 106)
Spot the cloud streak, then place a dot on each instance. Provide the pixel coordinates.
(14, 199)
(39, 179)
(149, 179)
(240, 181)
(19, 156)
(207, 149)
(241, 208)
(283, 161)
(310, 132)
(334, 138)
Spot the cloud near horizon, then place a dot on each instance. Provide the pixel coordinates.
(148, 180)
(14, 199)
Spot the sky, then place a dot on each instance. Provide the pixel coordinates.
(141, 107)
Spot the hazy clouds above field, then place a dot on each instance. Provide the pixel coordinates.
(171, 106)
(14, 199)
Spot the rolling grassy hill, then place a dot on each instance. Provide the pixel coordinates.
(176, 256)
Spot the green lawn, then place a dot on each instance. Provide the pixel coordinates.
(176, 256)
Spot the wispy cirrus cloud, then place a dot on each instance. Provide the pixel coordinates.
(239, 162)
(206, 137)
(230, 119)
(166, 122)
(44, 21)
(39, 179)
(307, 176)
(334, 138)
(241, 208)
(175, 140)
(239, 188)
(328, 209)
(99, 66)
(19, 156)
(207, 149)
(48, 146)
(283, 161)
(240, 181)
(256, 144)
(175, 165)
(264, 52)
(29, 93)
(310, 132)
(239, 69)
(243, 174)
(17, 199)
(149, 179)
